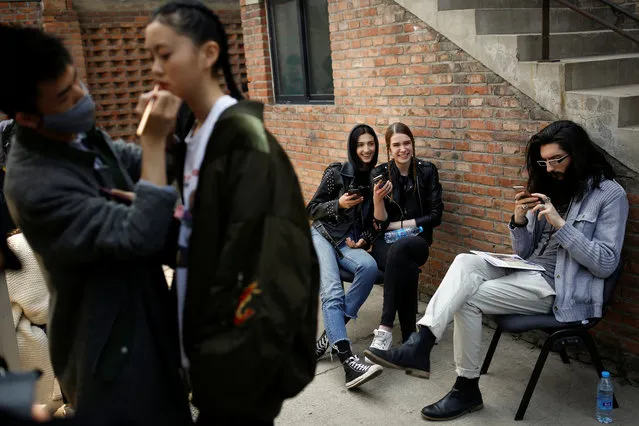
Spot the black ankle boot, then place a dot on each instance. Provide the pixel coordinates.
(464, 398)
(413, 356)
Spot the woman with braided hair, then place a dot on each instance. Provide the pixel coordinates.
(408, 194)
(247, 312)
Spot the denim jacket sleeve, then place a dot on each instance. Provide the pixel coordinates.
(601, 253)
(522, 237)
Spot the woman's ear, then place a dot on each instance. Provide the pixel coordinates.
(28, 120)
(210, 52)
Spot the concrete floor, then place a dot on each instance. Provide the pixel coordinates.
(565, 394)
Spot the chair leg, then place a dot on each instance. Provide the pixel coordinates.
(596, 359)
(541, 360)
(564, 356)
(491, 351)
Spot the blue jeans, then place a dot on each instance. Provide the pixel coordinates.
(336, 304)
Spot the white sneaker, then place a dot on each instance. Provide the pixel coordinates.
(382, 341)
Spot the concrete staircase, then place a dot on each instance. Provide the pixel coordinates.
(596, 81)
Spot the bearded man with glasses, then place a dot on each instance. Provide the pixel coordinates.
(570, 219)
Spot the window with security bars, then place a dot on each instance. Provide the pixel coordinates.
(301, 51)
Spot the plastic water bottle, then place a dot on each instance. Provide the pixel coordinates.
(398, 234)
(604, 398)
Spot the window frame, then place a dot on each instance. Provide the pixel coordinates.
(307, 97)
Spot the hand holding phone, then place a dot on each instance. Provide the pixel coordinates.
(348, 200)
(378, 181)
(354, 191)
(524, 202)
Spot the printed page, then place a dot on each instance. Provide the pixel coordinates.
(508, 261)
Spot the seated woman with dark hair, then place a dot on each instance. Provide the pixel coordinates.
(342, 230)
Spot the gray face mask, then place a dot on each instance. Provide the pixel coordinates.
(79, 119)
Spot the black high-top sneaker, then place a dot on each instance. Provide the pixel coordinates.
(321, 346)
(356, 372)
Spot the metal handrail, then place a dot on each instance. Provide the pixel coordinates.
(545, 23)
(620, 10)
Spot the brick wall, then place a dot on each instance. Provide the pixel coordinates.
(25, 13)
(60, 19)
(390, 66)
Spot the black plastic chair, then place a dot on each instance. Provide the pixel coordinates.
(348, 277)
(560, 335)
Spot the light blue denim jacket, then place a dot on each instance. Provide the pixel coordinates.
(589, 249)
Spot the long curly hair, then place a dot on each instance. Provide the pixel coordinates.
(587, 162)
(394, 129)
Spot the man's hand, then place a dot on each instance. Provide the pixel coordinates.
(355, 245)
(347, 201)
(548, 211)
(162, 117)
(524, 202)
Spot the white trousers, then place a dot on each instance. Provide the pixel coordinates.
(473, 287)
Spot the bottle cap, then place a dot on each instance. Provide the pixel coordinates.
(421, 229)
(605, 374)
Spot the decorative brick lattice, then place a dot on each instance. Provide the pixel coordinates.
(233, 27)
(119, 69)
(118, 72)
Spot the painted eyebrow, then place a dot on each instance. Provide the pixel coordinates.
(70, 86)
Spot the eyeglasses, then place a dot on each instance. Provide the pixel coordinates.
(544, 163)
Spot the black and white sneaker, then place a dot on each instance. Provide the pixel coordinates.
(357, 372)
(321, 346)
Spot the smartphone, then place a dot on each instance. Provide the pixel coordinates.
(520, 188)
(354, 191)
(377, 179)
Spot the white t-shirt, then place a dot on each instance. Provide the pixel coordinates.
(196, 147)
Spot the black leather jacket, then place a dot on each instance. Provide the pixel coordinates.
(424, 205)
(324, 209)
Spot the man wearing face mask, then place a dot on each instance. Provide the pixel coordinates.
(99, 216)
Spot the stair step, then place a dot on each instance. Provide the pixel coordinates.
(501, 4)
(590, 72)
(523, 20)
(626, 140)
(627, 98)
(575, 44)
(601, 71)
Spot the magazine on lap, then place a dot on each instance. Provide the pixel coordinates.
(511, 261)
